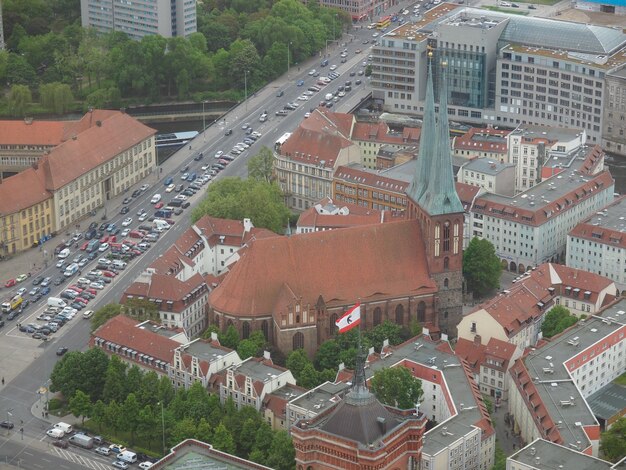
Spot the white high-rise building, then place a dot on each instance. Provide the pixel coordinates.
(140, 18)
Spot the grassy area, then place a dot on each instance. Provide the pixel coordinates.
(510, 11)
(621, 380)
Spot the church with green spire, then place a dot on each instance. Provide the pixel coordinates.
(433, 201)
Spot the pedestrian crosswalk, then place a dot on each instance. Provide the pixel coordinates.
(79, 459)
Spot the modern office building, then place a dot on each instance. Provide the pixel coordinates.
(139, 18)
(501, 69)
(359, 9)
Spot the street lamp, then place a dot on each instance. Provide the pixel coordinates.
(203, 121)
(245, 84)
(288, 62)
(163, 426)
(9, 415)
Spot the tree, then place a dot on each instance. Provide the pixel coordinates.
(141, 310)
(80, 371)
(282, 454)
(115, 381)
(183, 429)
(80, 405)
(481, 267)
(613, 441)
(296, 362)
(234, 198)
(56, 97)
(19, 99)
(309, 377)
(223, 440)
(247, 348)
(129, 418)
(19, 71)
(230, 338)
(261, 166)
(385, 331)
(396, 386)
(327, 355)
(557, 320)
(98, 411)
(104, 314)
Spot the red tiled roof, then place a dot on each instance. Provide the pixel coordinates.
(167, 288)
(472, 353)
(467, 193)
(379, 132)
(366, 262)
(37, 133)
(471, 140)
(99, 136)
(358, 215)
(368, 178)
(14, 196)
(123, 330)
(500, 349)
(233, 231)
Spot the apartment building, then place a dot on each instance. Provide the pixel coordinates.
(502, 69)
(198, 360)
(491, 175)
(598, 245)
(531, 227)
(614, 125)
(515, 315)
(371, 138)
(541, 454)
(539, 152)
(551, 385)
(250, 382)
(490, 364)
(145, 344)
(358, 9)
(139, 18)
(482, 142)
(99, 157)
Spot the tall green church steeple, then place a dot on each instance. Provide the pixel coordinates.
(433, 187)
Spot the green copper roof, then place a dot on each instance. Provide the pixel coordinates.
(433, 186)
(427, 144)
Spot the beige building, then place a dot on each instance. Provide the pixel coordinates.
(491, 175)
(614, 124)
(98, 157)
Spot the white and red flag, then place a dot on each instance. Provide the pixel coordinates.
(350, 319)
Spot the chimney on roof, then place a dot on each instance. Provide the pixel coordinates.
(214, 336)
(477, 340)
(247, 225)
(267, 356)
(382, 423)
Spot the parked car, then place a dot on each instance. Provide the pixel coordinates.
(7, 425)
(103, 450)
(120, 464)
(63, 444)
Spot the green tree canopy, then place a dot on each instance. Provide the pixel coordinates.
(261, 166)
(104, 314)
(397, 387)
(80, 405)
(613, 441)
(19, 99)
(80, 371)
(234, 198)
(481, 266)
(558, 319)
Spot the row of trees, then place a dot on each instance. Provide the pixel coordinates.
(236, 42)
(136, 407)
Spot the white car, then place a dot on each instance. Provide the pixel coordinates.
(205, 167)
(127, 221)
(144, 187)
(21, 291)
(125, 232)
(306, 115)
(333, 67)
(219, 154)
(181, 197)
(170, 188)
(104, 247)
(96, 285)
(145, 465)
(256, 134)
(103, 451)
(312, 72)
(142, 217)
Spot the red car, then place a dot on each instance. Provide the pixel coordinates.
(75, 288)
(82, 300)
(104, 239)
(158, 205)
(10, 283)
(92, 291)
(109, 274)
(112, 239)
(83, 247)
